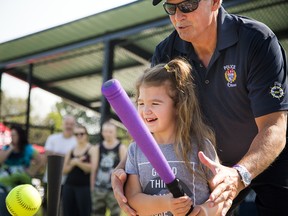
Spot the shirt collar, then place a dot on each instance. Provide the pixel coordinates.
(227, 30)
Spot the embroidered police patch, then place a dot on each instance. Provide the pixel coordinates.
(230, 75)
(276, 91)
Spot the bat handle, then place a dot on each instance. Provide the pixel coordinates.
(55, 166)
(176, 189)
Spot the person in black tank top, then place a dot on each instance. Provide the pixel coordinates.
(109, 154)
(77, 166)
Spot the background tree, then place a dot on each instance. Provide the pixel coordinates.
(13, 109)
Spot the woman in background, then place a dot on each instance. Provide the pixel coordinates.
(77, 167)
(16, 160)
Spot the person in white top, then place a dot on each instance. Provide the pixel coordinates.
(60, 144)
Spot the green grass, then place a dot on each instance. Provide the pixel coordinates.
(40, 213)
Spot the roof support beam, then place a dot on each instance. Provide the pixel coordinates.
(107, 74)
(1, 73)
(107, 37)
(29, 80)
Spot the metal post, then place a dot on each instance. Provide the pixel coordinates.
(1, 96)
(107, 74)
(29, 81)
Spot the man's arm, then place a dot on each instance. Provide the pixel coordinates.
(118, 180)
(268, 143)
(265, 148)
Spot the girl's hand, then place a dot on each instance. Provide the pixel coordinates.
(179, 206)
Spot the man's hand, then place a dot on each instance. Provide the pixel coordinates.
(118, 180)
(226, 183)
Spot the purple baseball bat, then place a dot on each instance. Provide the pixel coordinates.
(126, 111)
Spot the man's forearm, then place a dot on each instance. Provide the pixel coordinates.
(266, 147)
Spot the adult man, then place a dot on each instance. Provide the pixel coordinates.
(240, 74)
(60, 144)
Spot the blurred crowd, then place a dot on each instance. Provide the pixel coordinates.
(85, 184)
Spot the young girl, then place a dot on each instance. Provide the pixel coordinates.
(168, 105)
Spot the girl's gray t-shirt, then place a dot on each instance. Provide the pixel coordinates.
(194, 185)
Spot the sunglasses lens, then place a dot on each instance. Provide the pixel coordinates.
(188, 6)
(79, 134)
(185, 6)
(170, 8)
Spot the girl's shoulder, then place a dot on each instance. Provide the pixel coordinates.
(210, 150)
(132, 145)
(132, 148)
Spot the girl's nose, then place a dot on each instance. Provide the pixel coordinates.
(147, 109)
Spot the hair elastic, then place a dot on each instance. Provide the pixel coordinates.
(166, 66)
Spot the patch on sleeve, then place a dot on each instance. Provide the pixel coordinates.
(277, 91)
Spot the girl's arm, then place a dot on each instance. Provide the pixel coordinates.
(37, 164)
(67, 167)
(145, 204)
(4, 154)
(205, 209)
(94, 166)
(84, 165)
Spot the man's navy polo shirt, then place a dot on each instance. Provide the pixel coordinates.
(245, 79)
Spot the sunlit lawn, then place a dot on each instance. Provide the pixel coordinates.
(39, 213)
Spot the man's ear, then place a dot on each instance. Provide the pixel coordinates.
(216, 4)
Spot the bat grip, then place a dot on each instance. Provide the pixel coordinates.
(176, 189)
(55, 166)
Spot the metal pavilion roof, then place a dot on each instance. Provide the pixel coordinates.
(71, 60)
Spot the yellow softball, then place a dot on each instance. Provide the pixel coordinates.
(23, 200)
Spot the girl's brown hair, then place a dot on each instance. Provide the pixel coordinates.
(190, 125)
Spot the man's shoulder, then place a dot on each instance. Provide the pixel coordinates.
(168, 40)
(248, 24)
(164, 51)
(55, 136)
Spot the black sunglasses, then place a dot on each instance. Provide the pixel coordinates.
(79, 134)
(186, 6)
